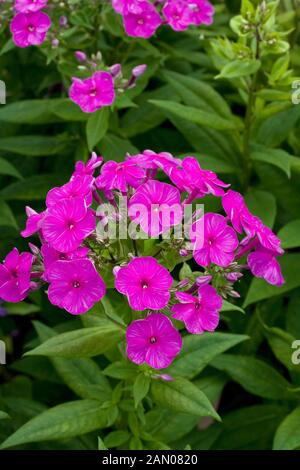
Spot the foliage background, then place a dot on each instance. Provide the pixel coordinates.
(177, 106)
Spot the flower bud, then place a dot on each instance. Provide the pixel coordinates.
(203, 280)
(80, 56)
(139, 70)
(116, 70)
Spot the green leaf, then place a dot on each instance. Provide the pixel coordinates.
(83, 376)
(287, 436)
(272, 133)
(276, 157)
(96, 127)
(33, 145)
(290, 235)
(260, 289)
(22, 308)
(67, 110)
(229, 307)
(115, 148)
(254, 375)
(33, 188)
(199, 350)
(197, 93)
(140, 388)
(116, 438)
(7, 168)
(28, 112)
(61, 422)
(281, 344)
(240, 68)
(249, 428)
(86, 342)
(263, 205)
(7, 218)
(182, 396)
(4, 415)
(101, 445)
(195, 115)
(121, 370)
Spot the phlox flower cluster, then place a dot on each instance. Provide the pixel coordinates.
(141, 18)
(72, 260)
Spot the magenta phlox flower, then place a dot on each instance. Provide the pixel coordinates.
(93, 93)
(141, 19)
(88, 168)
(200, 313)
(34, 222)
(214, 241)
(30, 29)
(27, 6)
(66, 225)
(263, 264)
(78, 187)
(120, 176)
(193, 179)
(153, 341)
(145, 283)
(15, 276)
(75, 285)
(156, 207)
(50, 256)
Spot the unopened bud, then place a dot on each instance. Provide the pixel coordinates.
(203, 280)
(80, 56)
(139, 70)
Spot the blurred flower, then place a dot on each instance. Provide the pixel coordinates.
(141, 19)
(30, 29)
(27, 6)
(153, 341)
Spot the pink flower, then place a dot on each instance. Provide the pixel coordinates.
(153, 341)
(119, 5)
(50, 256)
(193, 179)
(263, 264)
(93, 93)
(198, 314)
(145, 283)
(177, 14)
(34, 222)
(120, 175)
(141, 19)
(201, 12)
(242, 220)
(156, 207)
(75, 286)
(30, 29)
(27, 6)
(217, 243)
(78, 187)
(15, 276)
(88, 168)
(66, 225)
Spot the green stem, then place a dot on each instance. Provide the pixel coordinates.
(250, 117)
